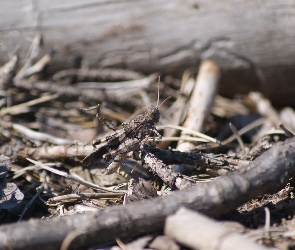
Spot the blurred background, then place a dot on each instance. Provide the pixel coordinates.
(252, 41)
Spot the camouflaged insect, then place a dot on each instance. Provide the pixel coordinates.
(125, 140)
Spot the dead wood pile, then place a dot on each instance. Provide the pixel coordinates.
(227, 159)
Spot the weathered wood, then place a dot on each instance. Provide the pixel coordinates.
(253, 41)
(201, 100)
(197, 231)
(266, 174)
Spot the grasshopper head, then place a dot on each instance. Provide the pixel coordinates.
(153, 114)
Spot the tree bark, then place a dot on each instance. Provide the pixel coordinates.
(253, 41)
(268, 173)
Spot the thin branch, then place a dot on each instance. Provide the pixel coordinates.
(190, 131)
(16, 109)
(75, 179)
(38, 66)
(201, 100)
(287, 131)
(238, 137)
(70, 197)
(171, 178)
(29, 204)
(34, 135)
(170, 157)
(32, 54)
(245, 129)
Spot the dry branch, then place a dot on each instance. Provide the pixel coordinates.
(7, 72)
(171, 178)
(79, 151)
(197, 231)
(201, 100)
(60, 152)
(16, 109)
(267, 174)
(74, 92)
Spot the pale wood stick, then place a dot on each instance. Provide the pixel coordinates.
(265, 108)
(37, 67)
(16, 109)
(34, 135)
(201, 99)
(7, 72)
(197, 231)
(73, 178)
(178, 107)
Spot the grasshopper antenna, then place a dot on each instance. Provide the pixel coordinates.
(158, 91)
(159, 95)
(164, 101)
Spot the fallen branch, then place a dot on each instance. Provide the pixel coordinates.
(171, 178)
(268, 173)
(99, 95)
(192, 230)
(79, 151)
(78, 197)
(75, 179)
(201, 100)
(16, 109)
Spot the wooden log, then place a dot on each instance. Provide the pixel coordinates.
(253, 41)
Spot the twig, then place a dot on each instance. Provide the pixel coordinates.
(69, 239)
(170, 157)
(287, 132)
(75, 179)
(178, 108)
(81, 196)
(33, 51)
(238, 137)
(171, 178)
(29, 204)
(102, 74)
(190, 131)
(21, 172)
(61, 152)
(265, 108)
(184, 138)
(244, 130)
(38, 66)
(201, 99)
(131, 84)
(184, 224)
(16, 109)
(77, 151)
(267, 220)
(74, 92)
(7, 72)
(34, 135)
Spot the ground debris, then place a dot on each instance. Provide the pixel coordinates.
(47, 130)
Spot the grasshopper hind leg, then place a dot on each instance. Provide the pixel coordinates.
(93, 157)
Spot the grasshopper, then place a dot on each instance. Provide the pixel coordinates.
(129, 138)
